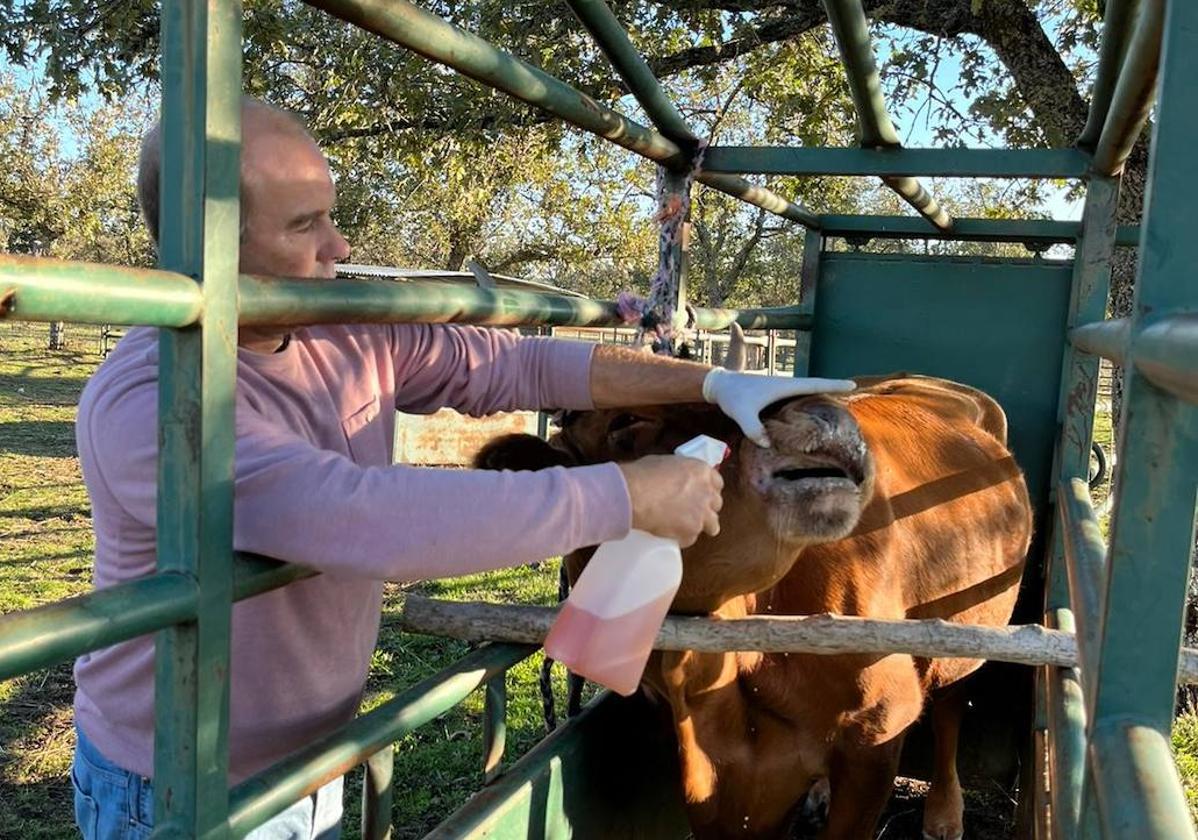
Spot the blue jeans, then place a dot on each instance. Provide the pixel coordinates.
(114, 804)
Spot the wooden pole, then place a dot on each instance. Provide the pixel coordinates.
(1028, 644)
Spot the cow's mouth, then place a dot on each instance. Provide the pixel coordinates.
(829, 471)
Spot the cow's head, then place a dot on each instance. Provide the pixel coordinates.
(809, 487)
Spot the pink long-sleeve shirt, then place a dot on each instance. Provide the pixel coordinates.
(315, 486)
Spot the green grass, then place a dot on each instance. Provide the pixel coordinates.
(46, 553)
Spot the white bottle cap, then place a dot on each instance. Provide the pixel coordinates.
(706, 449)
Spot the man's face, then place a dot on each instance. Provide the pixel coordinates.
(288, 197)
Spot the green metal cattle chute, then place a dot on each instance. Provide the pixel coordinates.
(1029, 331)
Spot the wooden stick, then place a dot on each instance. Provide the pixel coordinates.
(1028, 644)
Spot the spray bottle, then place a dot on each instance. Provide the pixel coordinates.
(606, 628)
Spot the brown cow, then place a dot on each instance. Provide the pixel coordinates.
(899, 500)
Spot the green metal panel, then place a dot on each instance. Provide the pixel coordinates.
(201, 96)
(1084, 560)
(259, 798)
(997, 325)
(581, 782)
(441, 41)
(47, 635)
(90, 293)
(494, 727)
(940, 163)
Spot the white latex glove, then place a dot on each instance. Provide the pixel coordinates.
(742, 396)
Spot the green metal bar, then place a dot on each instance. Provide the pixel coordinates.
(1116, 26)
(1085, 566)
(1152, 526)
(1134, 91)
(91, 293)
(1167, 354)
(851, 28)
(1040, 794)
(943, 163)
(44, 636)
(258, 799)
(987, 230)
(1066, 738)
(377, 794)
(809, 271)
(424, 33)
(494, 727)
(277, 301)
(253, 575)
(599, 20)
(1138, 790)
(1090, 288)
(1108, 339)
(200, 208)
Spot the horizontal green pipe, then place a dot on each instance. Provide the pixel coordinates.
(1066, 737)
(254, 574)
(987, 230)
(1134, 91)
(1116, 27)
(597, 17)
(425, 33)
(1137, 788)
(44, 636)
(282, 302)
(43, 289)
(943, 163)
(1085, 568)
(1167, 354)
(258, 799)
(1108, 339)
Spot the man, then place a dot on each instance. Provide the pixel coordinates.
(314, 485)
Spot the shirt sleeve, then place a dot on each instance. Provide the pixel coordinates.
(298, 503)
(481, 371)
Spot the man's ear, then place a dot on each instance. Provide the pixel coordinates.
(521, 452)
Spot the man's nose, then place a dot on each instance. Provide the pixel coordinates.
(336, 249)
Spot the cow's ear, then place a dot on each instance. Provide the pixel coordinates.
(521, 452)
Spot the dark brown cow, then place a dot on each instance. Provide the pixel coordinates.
(899, 500)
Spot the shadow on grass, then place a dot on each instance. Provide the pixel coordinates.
(37, 737)
(40, 438)
(53, 388)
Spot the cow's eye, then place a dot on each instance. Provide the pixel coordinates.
(623, 421)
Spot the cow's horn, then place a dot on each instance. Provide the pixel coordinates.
(737, 355)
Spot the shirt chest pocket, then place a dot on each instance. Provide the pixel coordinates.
(366, 434)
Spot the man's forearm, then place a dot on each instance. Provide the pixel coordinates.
(622, 377)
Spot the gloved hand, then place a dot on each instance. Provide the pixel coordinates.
(742, 396)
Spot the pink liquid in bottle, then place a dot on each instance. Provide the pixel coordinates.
(609, 652)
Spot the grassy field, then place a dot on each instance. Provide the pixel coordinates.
(45, 555)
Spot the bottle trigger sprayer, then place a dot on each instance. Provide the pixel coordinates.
(606, 628)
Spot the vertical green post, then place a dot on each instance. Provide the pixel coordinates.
(201, 133)
(813, 250)
(1152, 527)
(1079, 389)
(377, 794)
(494, 727)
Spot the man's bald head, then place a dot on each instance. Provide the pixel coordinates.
(260, 123)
